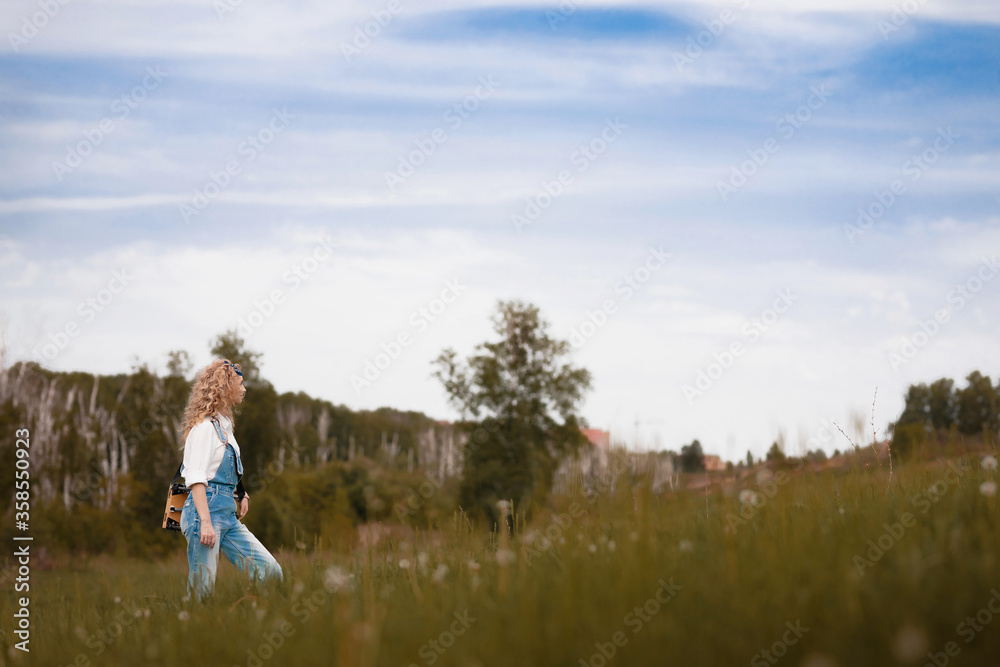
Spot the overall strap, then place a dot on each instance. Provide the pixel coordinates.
(240, 492)
(218, 429)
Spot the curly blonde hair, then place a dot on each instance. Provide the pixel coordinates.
(212, 392)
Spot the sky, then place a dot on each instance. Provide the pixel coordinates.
(752, 220)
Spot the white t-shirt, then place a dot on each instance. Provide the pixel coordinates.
(203, 451)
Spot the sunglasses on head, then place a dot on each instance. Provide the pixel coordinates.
(233, 367)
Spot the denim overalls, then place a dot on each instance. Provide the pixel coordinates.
(235, 541)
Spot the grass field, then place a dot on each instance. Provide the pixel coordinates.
(818, 569)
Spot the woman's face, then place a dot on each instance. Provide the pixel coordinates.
(238, 393)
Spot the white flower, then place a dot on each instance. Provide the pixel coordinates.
(989, 462)
(748, 497)
(505, 556)
(336, 579)
(685, 545)
(910, 644)
(118, 600)
(473, 565)
(988, 489)
(592, 548)
(183, 615)
(422, 558)
(404, 563)
(503, 505)
(611, 545)
(440, 573)
(529, 536)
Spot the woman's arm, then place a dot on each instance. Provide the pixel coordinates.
(207, 532)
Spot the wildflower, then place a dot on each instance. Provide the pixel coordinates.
(988, 489)
(748, 497)
(440, 573)
(529, 536)
(503, 505)
(685, 545)
(611, 545)
(592, 548)
(473, 565)
(183, 615)
(989, 462)
(505, 556)
(404, 563)
(910, 644)
(301, 546)
(422, 558)
(118, 600)
(336, 579)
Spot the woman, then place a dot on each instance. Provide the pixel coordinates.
(212, 469)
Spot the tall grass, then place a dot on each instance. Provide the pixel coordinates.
(566, 587)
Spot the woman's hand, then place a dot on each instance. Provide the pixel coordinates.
(207, 534)
(244, 507)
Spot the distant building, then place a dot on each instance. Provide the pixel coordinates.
(598, 466)
(597, 437)
(713, 462)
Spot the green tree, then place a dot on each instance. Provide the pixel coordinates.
(519, 398)
(775, 453)
(749, 459)
(978, 405)
(178, 363)
(692, 458)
